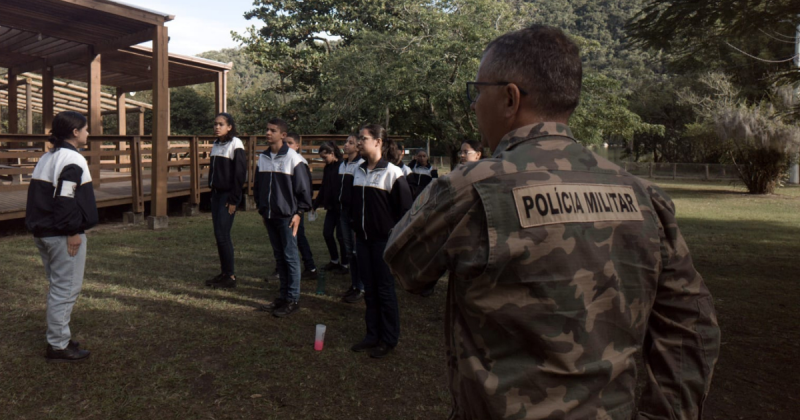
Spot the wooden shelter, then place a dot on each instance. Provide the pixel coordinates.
(93, 41)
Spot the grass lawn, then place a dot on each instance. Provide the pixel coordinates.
(166, 347)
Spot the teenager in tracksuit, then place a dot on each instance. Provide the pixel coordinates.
(60, 207)
(399, 162)
(422, 173)
(347, 171)
(282, 193)
(310, 272)
(380, 198)
(328, 198)
(226, 176)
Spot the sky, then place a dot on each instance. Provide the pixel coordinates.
(201, 25)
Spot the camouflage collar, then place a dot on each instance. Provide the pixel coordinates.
(530, 132)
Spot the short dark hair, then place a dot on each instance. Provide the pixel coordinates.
(295, 136)
(544, 62)
(283, 126)
(64, 124)
(474, 144)
(229, 119)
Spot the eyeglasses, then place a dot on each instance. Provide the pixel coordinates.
(473, 92)
(467, 153)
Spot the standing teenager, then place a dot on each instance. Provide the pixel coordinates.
(310, 269)
(227, 173)
(347, 171)
(282, 194)
(422, 173)
(328, 198)
(60, 208)
(380, 198)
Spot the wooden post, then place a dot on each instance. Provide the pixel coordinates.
(122, 117)
(141, 121)
(651, 169)
(13, 118)
(192, 208)
(707, 174)
(674, 171)
(47, 99)
(137, 194)
(221, 92)
(159, 170)
(252, 168)
(29, 107)
(95, 118)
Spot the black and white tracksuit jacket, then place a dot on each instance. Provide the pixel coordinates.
(61, 197)
(328, 196)
(228, 171)
(380, 199)
(347, 171)
(283, 184)
(420, 177)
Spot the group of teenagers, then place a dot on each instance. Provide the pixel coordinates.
(366, 189)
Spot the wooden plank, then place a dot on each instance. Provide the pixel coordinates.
(122, 120)
(28, 108)
(94, 117)
(136, 176)
(194, 197)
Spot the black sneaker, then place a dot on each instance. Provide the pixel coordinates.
(428, 290)
(343, 270)
(69, 354)
(226, 283)
(309, 274)
(354, 297)
(363, 346)
(380, 351)
(214, 280)
(287, 309)
(331, 266)
(349, 292)
(272, 306)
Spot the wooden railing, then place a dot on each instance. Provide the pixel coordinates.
(115, 159)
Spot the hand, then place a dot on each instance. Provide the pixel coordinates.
(295, 224)
(73, 244)
(231, 209)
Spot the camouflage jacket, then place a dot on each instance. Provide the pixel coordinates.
(562, 267)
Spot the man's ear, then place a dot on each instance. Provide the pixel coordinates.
(512, 99)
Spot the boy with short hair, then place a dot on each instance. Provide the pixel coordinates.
(282, 194)
(294, 142)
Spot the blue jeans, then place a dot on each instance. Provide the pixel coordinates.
(305, 248)
(349, 242)
(383, 315)
(223, 222)
(331, 224)
(284, 248)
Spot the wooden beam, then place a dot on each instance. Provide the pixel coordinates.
(160, 87)
(28, 108)
(122, 118)
(13, 121)
(176, 82)
(124, 10)
(47, 99)
(141, 122)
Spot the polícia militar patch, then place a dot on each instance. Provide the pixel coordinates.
(575, 203)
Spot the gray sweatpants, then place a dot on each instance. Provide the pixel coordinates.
(65, 274)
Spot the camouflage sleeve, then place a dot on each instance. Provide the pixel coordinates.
(415, 252)
(683, 338)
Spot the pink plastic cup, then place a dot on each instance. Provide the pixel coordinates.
(319, 340)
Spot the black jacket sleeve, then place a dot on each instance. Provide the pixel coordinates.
(239, 177)
(435, 173)
(67, 216)
(302, 187)
(400, 198)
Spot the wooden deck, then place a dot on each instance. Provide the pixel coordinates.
(12, 204)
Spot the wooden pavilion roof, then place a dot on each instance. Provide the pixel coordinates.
(72, 31)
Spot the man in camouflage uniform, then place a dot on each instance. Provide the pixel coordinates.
(562, 265)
